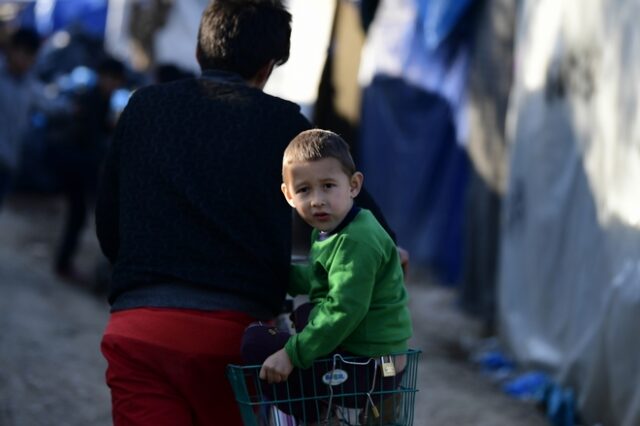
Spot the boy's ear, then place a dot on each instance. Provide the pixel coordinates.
(356, 184)
(287, 194)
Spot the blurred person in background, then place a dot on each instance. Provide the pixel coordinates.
(18, 93)
(78, 156)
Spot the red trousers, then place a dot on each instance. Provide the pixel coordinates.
(167, 366)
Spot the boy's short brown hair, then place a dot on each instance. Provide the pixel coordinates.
(317, 144)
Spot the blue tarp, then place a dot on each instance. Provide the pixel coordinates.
(414, 126)
(415, 170)
(439, 18)
(52, 15)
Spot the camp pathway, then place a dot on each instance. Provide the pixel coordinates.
(52, 373)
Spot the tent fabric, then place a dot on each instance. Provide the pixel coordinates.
(415, 171)
(439, 18)
(180, 29)
(413, 131)
(490, 78)
(569, 286)
(298, 79)
(49, 16)
(395, 46)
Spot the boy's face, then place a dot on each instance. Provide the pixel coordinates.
(321, 191)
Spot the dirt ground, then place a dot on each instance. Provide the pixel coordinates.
(52, 373)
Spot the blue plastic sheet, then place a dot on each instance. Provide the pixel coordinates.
(439, 18)
(416, 171)
(49, 16)
(529, 386)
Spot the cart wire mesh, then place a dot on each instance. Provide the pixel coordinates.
(336, 391)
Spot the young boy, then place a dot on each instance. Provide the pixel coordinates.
(358, 302)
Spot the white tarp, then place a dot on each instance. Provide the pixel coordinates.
(299, 78)
(569, 291)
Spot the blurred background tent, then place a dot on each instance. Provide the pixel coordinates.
(413, 126)
(488, 85)
(569, 290)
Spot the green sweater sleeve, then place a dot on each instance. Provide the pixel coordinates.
(351, 279)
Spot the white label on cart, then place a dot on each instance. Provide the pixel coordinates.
(335, 377)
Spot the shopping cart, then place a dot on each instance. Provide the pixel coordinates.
(335, 391)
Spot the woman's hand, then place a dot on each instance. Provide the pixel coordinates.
(277, 367)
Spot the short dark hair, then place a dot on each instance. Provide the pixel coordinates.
(26, 39)
(242, 36)
(317, 144)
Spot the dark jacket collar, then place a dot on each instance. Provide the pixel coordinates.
(223, 76)
(347, 220)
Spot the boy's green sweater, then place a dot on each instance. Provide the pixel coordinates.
(355, 281)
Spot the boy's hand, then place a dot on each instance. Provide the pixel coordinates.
(277, 367)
